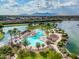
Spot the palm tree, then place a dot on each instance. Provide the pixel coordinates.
(19, 33)
(43, 45)
(25, 42)
(61, 44)
(48, 26)
(38, 45)
(1, 26)
(15, 32)
(10, 32)
(48, 42)
(54, 25)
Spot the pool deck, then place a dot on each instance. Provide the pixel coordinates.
(44, 39)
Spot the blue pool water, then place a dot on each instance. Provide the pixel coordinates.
(36, 38)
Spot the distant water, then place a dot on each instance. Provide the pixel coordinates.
(72, 28)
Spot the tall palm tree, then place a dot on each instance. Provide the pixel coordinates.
(1, 26)
(43, 45)
(19, 33)
(48, 42)
(15, 30)
(10, 32)
(48, 26)
(38, 45)
(25, 42)
(54, 25)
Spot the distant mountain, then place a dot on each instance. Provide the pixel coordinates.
(41, 14)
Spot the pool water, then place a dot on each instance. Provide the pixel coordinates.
(36, 38)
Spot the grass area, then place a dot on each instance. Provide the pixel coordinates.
(15, 25)
(1, 35)
(46, 54)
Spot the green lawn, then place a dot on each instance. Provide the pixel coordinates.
(47, 54)
(1, 35)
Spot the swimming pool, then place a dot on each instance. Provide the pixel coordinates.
(35, 38)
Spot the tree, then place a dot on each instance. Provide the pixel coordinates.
(44, 54)
(4, 51)
(61, 44)
(1, 26)
(32, 54)
(15, 32)
(48, 42)
(54, 25)
(10, 32)
(25, 42)
(38, 45)
(23, 54)
(43, 45)
(19, 33)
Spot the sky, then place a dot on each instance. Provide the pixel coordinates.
(39, 7)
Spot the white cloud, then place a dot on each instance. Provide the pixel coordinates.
(31, 7)
(69, 3)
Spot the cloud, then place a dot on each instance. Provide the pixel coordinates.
(69, 3)
(12, 7)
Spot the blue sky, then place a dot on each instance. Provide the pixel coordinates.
(39, 7)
